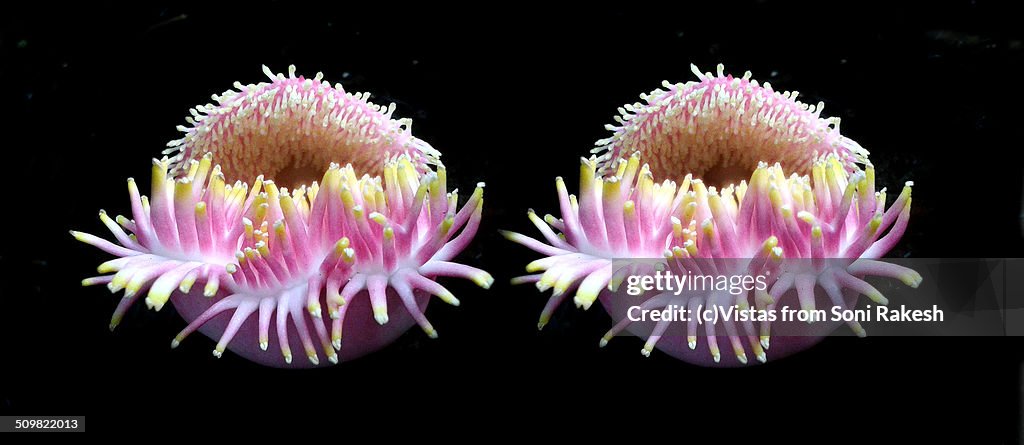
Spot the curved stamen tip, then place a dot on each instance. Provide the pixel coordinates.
(185, 286)
(381, 316)
(584, 301)
(544, 319)
(482, 279)
(912, 279)
(210, 289)
(859, 331)
(155, 303)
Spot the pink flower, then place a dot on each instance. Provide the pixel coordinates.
(762, 227)
(308, 261)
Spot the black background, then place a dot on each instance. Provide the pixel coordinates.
(512, 96)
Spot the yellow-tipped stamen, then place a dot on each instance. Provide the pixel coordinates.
(380, 314)
(741, 355)
(187, 282)
(336, 340)
(212, 286)
(647, 349)
(483, 279)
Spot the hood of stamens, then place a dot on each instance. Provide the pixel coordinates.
(289, 128)
(719, 127)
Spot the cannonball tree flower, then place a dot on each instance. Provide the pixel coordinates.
(257, 266)
(815, 228)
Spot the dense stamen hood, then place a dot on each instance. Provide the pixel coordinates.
(290, 128)
(719, 128)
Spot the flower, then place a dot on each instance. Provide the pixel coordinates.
(286, 255)
(818, 223)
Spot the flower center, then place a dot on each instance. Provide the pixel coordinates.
(291, 129)
(719, 128)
